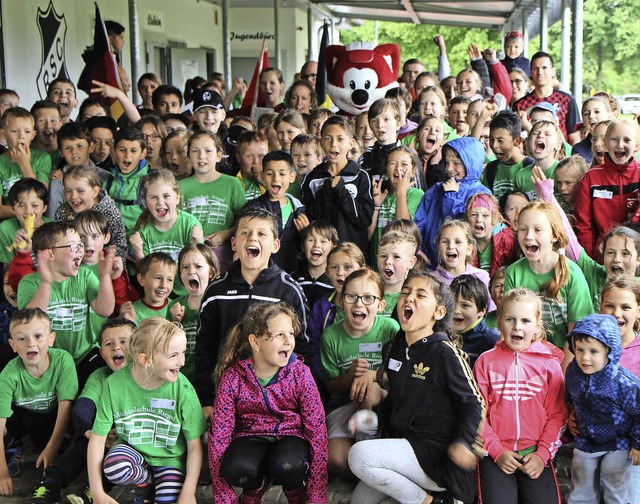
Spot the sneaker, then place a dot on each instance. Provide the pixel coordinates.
(144, 494)
(14, 457)
(83, 498)
(45, 494)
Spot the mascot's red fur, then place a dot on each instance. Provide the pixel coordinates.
(360, 74)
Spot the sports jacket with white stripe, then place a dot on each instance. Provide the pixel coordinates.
(225, 302)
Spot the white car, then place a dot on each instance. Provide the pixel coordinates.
(630, 104)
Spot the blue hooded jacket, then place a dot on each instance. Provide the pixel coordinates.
(437, 205)
(607, 402)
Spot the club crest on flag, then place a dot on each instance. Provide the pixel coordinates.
(53, 32)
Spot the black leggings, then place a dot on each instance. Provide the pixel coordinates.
(249, 460)
(497, 487)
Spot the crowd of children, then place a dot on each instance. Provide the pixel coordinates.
(430, 297)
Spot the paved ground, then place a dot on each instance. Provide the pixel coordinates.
(339, 491)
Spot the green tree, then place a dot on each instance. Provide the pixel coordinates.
(416, 41)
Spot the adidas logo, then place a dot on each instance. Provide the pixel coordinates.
(419, 371)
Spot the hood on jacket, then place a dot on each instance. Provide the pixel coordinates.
(603, 328)
(472, 153)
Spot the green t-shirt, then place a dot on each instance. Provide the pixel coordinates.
(10, 172)
(171, 241)
(338, 350)
(95, 384)
(295, 190)
(40, 395)
(8, 230)
(390, 307)
(215, 204)
(252, 189)
(596, 277)
(190, 326)
(387, 214)
(572, 304)
(286, 211)
(68, 309)
(157, 423)
(143, 311)
(523, 180)
(124, 192)
(485, 256)
(504, 179)
(491, 320)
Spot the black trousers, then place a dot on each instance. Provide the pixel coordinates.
(250, 460)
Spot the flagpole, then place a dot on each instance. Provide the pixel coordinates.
(257, 90)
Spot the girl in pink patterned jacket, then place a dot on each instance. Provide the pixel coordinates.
(268, 421)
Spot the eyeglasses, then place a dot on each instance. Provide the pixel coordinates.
(367, 299)
(517, 81)
(73, 247)
(153, 137)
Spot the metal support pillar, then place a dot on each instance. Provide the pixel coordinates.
(226, 44)
(565, 57)
(576, 64)
(310, 55)
(276, 25)
(134, 42)
(525, 32)
(544, 26)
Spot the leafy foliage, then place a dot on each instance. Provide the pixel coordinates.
(611, 60)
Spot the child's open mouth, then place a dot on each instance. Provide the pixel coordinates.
(451, 256)
(283, 354)
(161, 293)
(619, 155)
(407, 313)
(316, 255)
(253, 252)
(516, 338)
(162, 212)
(32, 355)
(617, 270)
(174, 371)
(431, 141)
(118, 360)
(531, 249)
(540, 146)
(76, 262)
(388, 273)
(88, 253)
(194, 284)
(479, 228)
(458, 320)
(340, 283)
(358, 316)
(275, 189)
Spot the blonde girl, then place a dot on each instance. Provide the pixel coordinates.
(521, 437)
(621, 298)
(493, 249)
(496, 290)
(430, 137)
(154, 131)
(567, 174)
(175, 155)
(149, 390)
(289, 125)
(546, 270)
(597, 209)
(272, 87)
(435, 407)
(268, 420)
(457, 252)
(161, 226)
(83, 191)
(594, 110)
(197, 266)
(343, 260)
(544, 143)
(212, 197)
(431, 102)
(397, 199)
(351, 352)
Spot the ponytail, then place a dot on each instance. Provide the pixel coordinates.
(560, 278)
(235, 346)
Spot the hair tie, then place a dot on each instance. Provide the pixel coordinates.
(562, 251)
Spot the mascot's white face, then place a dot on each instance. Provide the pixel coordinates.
(360, 74)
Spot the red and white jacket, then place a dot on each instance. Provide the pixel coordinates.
(524, 394)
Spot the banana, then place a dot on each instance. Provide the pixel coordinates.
(29, 225)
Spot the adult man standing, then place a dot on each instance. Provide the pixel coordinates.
(309, 72)
(543, 73)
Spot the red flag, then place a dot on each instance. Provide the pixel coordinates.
(101, 66)
(254, 96)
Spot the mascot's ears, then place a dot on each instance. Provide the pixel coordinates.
(364, 54)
